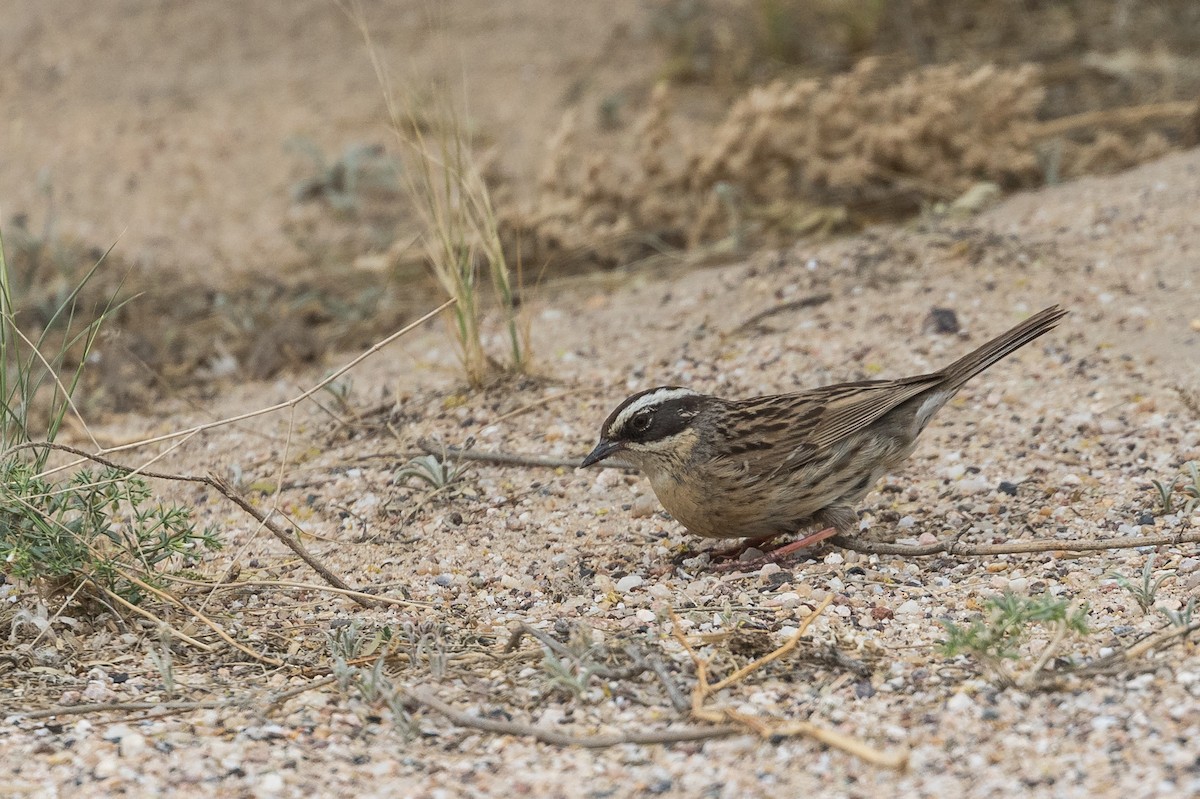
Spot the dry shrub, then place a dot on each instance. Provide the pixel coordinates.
(859, 141)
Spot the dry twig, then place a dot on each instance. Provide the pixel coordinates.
(504, 458)
(755, 321)
(773, 728)
(557, 738)
(952, 546)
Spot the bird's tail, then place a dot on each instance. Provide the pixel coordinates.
(1002, 345)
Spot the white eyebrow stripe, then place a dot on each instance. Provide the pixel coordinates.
(649, 400)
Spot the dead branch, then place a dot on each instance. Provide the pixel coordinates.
(555, 738)
(106, 707)
(952, 546)
(502, 458)
(1130, 117)
(174, 707)
(757, 319)
(291, 541)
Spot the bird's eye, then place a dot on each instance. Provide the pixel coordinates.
(640, 423)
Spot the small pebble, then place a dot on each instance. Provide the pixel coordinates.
(788, 599)
(132, 744)
(959, 703)
(628, 583)
(268, 785)
(879, 613)
(105, 768)
(770, 568)
(643, 507)
(909, 608)
(444, 580)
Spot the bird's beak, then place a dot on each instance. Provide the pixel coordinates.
(605, 449)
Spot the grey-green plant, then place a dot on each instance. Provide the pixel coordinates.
(360, 168)
(436, 472)
(426, 643)
(92, 525)
(1145, 590)
(1190, 490)
(373, 685)
(1007, 624)
(1181, 617)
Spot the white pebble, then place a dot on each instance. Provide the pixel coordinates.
(628, 583)
(770, 568)
(269, 785)
(645, 615)
(834, 558)
(132, 744)
(105, 768)
(788, 599)
(908, 608)
(1018, 585)
(959, 703)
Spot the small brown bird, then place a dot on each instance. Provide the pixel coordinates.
(762, 467)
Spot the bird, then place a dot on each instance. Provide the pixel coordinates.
(768, 466)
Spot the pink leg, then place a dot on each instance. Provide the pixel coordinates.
(775, 554)
(803, 543)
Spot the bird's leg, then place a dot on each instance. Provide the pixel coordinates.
(734, 553)
(837, 519)
(779, 553)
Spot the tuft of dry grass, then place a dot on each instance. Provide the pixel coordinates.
(461, 230)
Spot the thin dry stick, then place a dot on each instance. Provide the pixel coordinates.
(190, 432)
(789, 645)
(203, 647)
(105, 707)
(556, 738)
(216, 628)
(57, 381)
(292, 542)
(1060, 634)
(270, 702)
(529, 407)
(384, 600)
(1154, 641)
(506, 458)
(1117, 117)
(769, 728)
(794, 305)
(952, 546)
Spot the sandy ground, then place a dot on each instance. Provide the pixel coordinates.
(181, 129)
(1081, 422)
(196, 175)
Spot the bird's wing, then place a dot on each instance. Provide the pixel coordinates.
(801, 426)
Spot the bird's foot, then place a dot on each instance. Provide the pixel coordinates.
(775, 555)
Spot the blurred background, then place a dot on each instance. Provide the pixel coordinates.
(256, 167)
